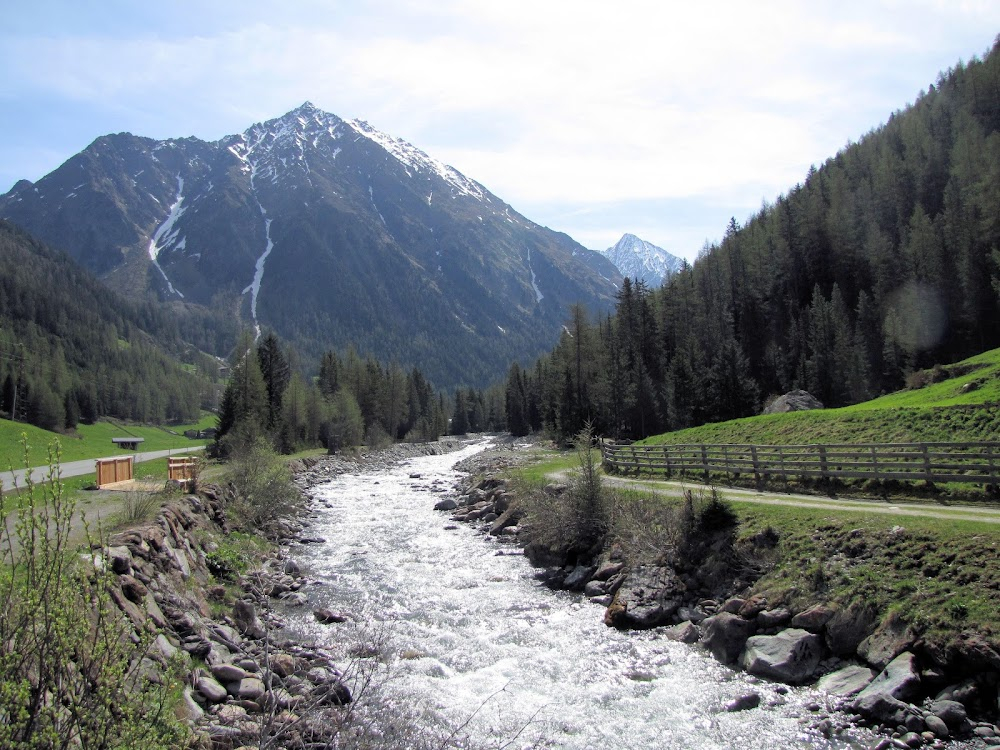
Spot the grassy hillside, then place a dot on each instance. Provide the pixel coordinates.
(964, 404)
(88, 441)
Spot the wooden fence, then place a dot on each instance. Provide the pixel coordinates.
(112, 470)
(977, 463)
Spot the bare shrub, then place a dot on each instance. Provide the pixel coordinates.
(260, 492)
(138, 507)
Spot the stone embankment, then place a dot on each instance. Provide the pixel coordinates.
(241, 684)
(873, 667)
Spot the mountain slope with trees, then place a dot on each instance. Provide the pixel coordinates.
(71, 350)
(883, 261)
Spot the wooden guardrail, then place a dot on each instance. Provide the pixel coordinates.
(976, 463)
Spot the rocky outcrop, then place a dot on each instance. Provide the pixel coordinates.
(797, 400)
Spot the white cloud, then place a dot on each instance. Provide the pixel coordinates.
(573, 103)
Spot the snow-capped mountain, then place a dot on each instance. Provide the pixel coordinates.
(326, 230)
(638, 259)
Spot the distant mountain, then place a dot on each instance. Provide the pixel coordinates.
(642, 260)
(327, 231)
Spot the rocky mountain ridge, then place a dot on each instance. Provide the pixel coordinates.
(327, 231)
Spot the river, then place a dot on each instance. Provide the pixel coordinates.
(471, 643)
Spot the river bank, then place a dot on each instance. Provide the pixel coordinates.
(872, 664)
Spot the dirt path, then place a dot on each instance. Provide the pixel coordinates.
(977, 513)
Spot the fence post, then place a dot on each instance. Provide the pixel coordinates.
(666, 459)
(704, 461)
(822, 461)
(635, 459)
(928, 476)
(756, 466)
(872, 450)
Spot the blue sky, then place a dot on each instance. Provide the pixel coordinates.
(590, 117)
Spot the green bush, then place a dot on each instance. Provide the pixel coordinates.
(259, 492)
(71, 665)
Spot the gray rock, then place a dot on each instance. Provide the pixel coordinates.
(294, 598)
(694, 614)
(246, 620)
(881, 708)
(900, 679)
(790, 656)
(247, 689)
(595, 588)
(847, 681)
(228, 673)
(328, 616)
(744, 702)
(773, 618)
(797, 400)
(849, 626)
(892, 638)
(950, 712)
(649, 597)
(189, 710)
(725, 634)
(580, 575)
(445, 504)
(685, 632)
(210, 688)
(607, 569)
(814, 618)
(938, 726)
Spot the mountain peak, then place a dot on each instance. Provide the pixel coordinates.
(637, 258)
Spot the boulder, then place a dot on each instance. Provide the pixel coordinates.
(247, 689)
(648, 597)
(814, 618)
(246, 620)
(880, 708)
(890, 639)
(725, 634)
(900, 679)
(685, 632)
(284, 665)
(937, 726)
(744, 703)
(446, 504)
(773, 618)
(797, 400)
(849, 626)
(506, 520)
(578, 578)
(228, 673)
(847, 681)
(608, 569)
(210, 689)
(950, 712)
(790, 656)
(328, 616)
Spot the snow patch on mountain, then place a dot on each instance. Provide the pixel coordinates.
(166, 234)
(638, 259)
(412, 157)
(534, 284)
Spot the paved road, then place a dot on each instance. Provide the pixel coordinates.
(87, 466)
(980, 513)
